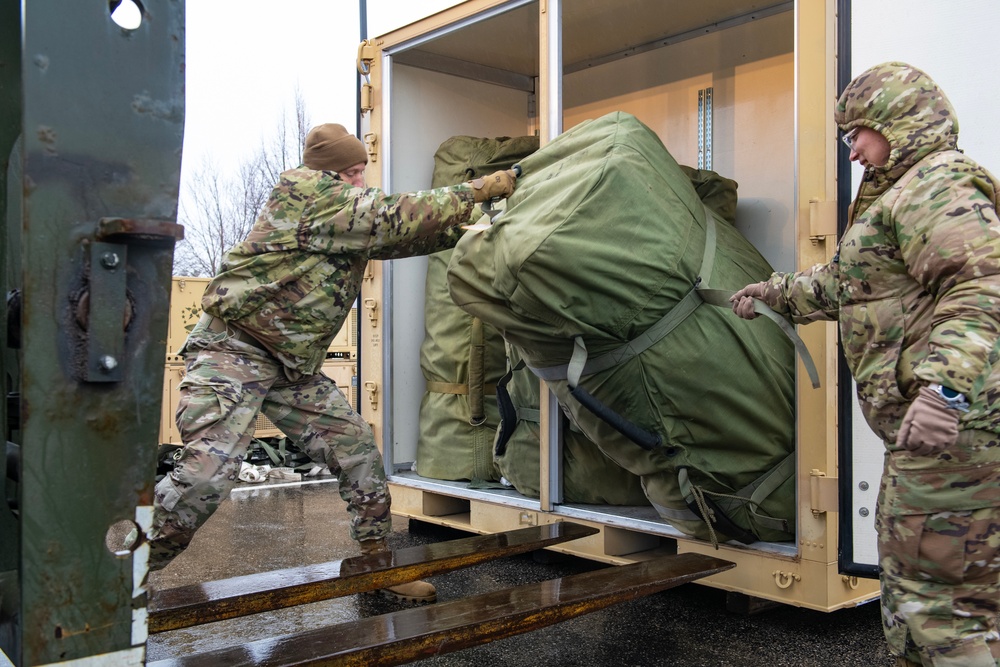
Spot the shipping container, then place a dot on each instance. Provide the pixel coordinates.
(743, 88)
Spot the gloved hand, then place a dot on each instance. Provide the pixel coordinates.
(929, 426)
(497, 184)
(743, 300)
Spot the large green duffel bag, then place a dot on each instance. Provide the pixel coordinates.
(597, 274)
(461, 357)
(588, 476)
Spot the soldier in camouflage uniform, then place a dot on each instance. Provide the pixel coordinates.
(270, 316)
(916, 288)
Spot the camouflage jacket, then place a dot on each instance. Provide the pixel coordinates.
(915, 283)
(291, 283)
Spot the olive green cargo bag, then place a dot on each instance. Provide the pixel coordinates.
(598, 275)
(461, 357)
(588, 476)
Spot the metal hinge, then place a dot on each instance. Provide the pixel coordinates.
(824, 494)
(822, 220)
(366, 56)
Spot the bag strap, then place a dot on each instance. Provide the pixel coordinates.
(712, 508)
(508, 413)
(699, 293)
(477, 374)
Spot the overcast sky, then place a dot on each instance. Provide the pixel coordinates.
(245, 58)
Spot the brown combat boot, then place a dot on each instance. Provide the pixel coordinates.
(419, 592)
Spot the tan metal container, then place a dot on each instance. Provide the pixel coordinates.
(729, 85)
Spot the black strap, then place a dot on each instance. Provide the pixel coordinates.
(508, 413)
(640, 436)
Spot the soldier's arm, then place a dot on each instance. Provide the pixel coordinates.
(949, 235)
(388, 226)
(806, 296)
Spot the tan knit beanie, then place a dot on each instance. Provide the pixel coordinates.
(330, 147)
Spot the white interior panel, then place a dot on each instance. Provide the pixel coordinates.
(911, 32)
(427, 108)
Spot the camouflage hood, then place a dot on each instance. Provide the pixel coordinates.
(905, 106)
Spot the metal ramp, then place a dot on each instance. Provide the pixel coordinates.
(419, 632)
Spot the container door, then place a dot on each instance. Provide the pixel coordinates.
(936, 39)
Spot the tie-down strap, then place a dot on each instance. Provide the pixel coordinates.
(699, 293)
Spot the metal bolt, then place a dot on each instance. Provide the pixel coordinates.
(110, 260)
(863, 511)
(107, 363)
(863, 486)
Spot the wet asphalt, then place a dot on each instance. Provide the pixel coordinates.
(267, 526)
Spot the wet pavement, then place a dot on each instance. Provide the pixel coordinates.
(266, 527)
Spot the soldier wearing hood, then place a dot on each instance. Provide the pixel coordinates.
(915, 285)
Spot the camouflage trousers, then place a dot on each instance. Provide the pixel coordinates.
(226, 384)
(938, 527)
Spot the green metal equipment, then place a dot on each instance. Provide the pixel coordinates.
(91, 128)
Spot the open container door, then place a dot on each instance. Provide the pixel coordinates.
(910, 31)
(487, 68)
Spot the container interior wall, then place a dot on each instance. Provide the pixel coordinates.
(751, 71)
(425, 109)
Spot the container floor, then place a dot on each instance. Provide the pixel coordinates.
(270, 526)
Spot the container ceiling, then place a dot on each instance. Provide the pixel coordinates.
(504, 47)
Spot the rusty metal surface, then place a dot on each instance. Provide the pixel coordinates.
(186, 606)
(150, 230)
(102, 134)
(411, 634)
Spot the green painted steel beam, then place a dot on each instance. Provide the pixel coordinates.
(103, 118)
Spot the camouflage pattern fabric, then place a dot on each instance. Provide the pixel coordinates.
(292, 282)
(227, 382)
(291, 285)
(941, 567)
(916, 288)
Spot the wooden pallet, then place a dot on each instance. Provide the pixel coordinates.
(423, 632)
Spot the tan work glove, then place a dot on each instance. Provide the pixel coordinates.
(743, 300)
(929, 426)
(497, 184)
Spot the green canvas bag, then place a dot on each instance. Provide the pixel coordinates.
(597, 274)
(588, 476)
(461, 358)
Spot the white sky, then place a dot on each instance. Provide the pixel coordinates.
(245, 58)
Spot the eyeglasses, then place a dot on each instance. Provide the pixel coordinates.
(849, 138)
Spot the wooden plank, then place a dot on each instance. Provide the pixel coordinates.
(185, 606)
(423, 632)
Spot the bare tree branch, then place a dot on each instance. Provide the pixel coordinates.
(218, 210)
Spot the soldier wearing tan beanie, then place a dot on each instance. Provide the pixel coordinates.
(314, 236)
(330, 147)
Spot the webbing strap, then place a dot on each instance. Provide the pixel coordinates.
(752, 495)
(633, 348)
(447, 387)
(767, 485)
(456, 388)
(477, 374)
(699, 294)
(528, 415)
(720, 298)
